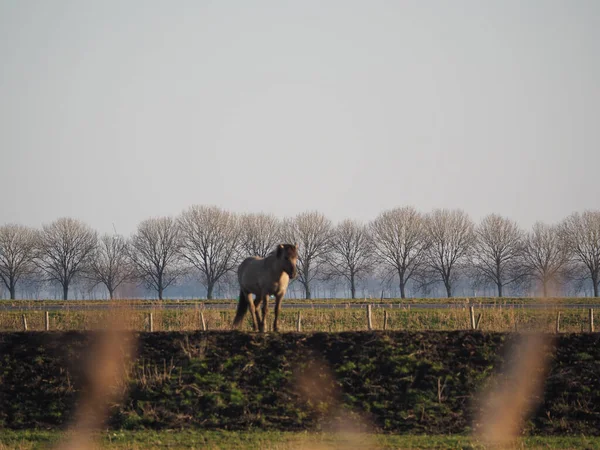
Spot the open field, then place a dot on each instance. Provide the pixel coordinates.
(399, 317)
(266, 440)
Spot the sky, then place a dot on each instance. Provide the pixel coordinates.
(116, 111)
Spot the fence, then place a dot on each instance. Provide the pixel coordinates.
(369, 317)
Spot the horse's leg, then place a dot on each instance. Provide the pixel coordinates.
(257, 302)
(278, 299)
(265, 312)
(252, 311)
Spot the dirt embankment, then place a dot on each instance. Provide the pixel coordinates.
(385, 381)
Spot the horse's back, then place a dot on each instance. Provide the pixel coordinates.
(246, 267)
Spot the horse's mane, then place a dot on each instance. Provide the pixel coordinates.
(274, 251)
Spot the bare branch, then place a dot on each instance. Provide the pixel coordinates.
(581, 236)
(154, 252)
(544, 255)
(17, 248)
(351, 255)
(400, 241)
(497, 252)
(110, 264)
(312, 232)
(63, 251)
(451, 236)
(260, 233)
(210, 238)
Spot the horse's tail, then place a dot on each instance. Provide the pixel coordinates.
(242, 309)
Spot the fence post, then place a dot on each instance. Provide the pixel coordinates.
(385, 319)
(299, 322)
(591, 320)
(150, 322)
(47, 321)
(203, 321)
(369, 318)
(472, 313)
(478, 321)
(558, 322)
(24, 323)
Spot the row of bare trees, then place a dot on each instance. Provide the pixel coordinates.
(401, 243)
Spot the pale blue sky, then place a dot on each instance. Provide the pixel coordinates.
(115, 111)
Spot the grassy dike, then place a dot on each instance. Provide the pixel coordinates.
(381, 382)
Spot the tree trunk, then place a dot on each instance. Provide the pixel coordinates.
(595, 283)
(111, 293)
(352, 286)
(65, 291)
(402, 284)
(448, 288)
(12, 289)
(498, 278)
(209, 290)
(545, 288)
(159, 286)
(307, 291)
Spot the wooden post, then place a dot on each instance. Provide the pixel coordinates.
(472, 313)
(477, 321)
(203, 321)
(591, 320)
(299, 322)
(369, 318)
(385, 319)
(47, 321)
(150, 323)
(558, 322)
(24, 323)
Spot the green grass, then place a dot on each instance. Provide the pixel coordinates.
(180, 439)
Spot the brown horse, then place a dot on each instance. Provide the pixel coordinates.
(263, 277)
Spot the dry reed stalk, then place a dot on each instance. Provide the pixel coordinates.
(316, 384)
(505, 407)
(106, 369)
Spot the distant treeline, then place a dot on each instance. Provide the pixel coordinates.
(401, 252)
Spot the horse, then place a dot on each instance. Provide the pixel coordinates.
(263, 277)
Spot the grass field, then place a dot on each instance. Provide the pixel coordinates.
(500, 318)
(186, 439)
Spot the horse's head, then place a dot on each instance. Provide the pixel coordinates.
(287, 254)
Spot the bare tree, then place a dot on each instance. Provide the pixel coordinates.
(110, 264)
(17, 246)
(260, 234)
(312, 232)
(544, 255)
(450, 234)
(154, 253)
(64, 250)
(497, 251)
(210, 238)
(400, 241)
(581, 236)
(351, 253)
